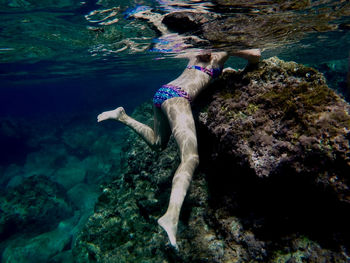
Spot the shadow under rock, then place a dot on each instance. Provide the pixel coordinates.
(279, 208)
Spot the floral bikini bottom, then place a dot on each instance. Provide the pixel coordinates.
(167, 92)
(170, 91)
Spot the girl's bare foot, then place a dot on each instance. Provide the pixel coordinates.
(111, 115)
(170, 228)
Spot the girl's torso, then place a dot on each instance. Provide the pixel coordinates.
(198, 74)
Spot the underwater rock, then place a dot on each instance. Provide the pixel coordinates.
(65, 256)
(282, 118)
(71, 174)
(83, 196)
(36, 205)
(79, 141)
(40, 248)
(236, 210)
(278, 163)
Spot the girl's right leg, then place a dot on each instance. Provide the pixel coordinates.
(156, 138)
(179, 113)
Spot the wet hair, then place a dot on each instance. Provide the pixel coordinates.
(204, 57)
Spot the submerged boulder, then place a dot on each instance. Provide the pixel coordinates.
(41, 248)
(282, 119)
(278, 164)
(35, 206)
(272, 185)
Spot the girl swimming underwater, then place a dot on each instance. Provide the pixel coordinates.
(173, 115)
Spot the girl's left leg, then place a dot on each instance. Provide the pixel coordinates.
(156, 138)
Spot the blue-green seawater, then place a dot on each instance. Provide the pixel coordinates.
(58, 72)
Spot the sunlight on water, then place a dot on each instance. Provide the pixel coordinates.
(91, 32)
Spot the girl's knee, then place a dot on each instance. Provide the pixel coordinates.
(191, 160)
(195, 160)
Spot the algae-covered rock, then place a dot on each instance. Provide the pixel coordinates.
(278, 163)
(282, 118)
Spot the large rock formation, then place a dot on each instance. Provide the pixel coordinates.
(272, 185)
(280, 119)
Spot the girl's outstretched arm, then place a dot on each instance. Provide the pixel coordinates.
(252, 55)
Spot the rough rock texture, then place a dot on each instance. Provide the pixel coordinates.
(283, 119)
(241, 206)
(279, 162)
(36, 204)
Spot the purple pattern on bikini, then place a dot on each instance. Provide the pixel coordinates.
(167, 92)
(214, 72)
(179, 91)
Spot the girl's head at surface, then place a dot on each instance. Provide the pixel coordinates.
(204, 56)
